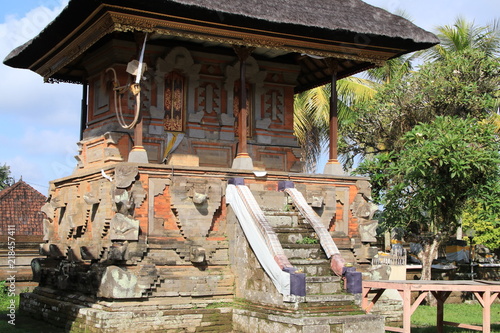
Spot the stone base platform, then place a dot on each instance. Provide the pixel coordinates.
(78, 313)
(319, 319)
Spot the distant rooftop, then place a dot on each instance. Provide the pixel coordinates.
(20, 205)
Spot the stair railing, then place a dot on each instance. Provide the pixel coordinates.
(332, 252)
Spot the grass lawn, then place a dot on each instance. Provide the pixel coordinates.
(424, 318)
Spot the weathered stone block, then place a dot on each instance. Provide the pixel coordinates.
(118, 283)
(184, 160)
(316, 329)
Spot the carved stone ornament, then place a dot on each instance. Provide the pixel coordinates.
(368, 231)
(124, 228)
(125, 175)
(197, 254)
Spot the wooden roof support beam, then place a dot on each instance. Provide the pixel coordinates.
(333, 167)
(243, 159)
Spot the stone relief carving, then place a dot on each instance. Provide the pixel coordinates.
(195, 203)
(363, 209)
(118, 283)
(124, 228)
(125, 175)
(274, 107)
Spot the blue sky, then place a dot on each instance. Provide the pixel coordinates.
(39, 122)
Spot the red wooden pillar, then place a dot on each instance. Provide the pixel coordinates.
(243, 159)
(333, 167)
(138, 154)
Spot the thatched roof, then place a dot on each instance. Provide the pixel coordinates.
(348, 15)
(359, 35)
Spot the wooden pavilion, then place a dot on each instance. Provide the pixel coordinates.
(180, 99)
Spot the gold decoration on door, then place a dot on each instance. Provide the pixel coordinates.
(175, 102)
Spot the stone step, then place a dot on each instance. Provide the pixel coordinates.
(271, 200)
(342, 242)
(312, 267)
(304, 251)
(294, 235)
(338, 299)
(283, 219)
(322, 285)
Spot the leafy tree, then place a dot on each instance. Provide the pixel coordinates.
(425, 186)
(462, 36)
(5, 179)
(393, 69)
(465, 85)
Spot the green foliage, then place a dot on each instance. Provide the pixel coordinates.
(5, 179)
(425, 141)
(465, 85)
(4, 300)
(487, 232)
(440, 167)
(307, 240)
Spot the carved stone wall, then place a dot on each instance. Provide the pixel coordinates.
(165, 238)
(122, 234)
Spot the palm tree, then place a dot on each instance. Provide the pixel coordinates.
(393, 68)
(464, 35)
(312, 110)
(312, 107)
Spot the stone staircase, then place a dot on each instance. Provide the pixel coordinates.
(324, 291)
(326, 307)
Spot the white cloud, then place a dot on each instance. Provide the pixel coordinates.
(16, 31)
(40, 122)
(31, 173)
(24, 92)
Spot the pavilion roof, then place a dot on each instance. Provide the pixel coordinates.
(359, 35)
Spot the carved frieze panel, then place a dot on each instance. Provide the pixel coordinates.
(209, 95)
(124, 228)
(274, 107)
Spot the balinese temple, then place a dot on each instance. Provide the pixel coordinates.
(188, 210)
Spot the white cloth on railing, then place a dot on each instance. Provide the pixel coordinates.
(310, 215)
(259, 246)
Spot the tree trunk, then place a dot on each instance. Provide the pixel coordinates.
(429, 252)
(426, 256)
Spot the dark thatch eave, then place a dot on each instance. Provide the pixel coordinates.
(336, 22)
(336, 15)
